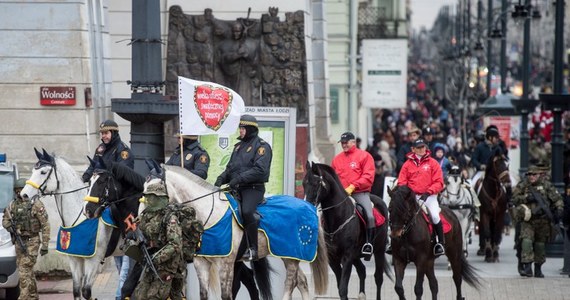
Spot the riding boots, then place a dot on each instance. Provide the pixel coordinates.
(527, 269)
(251, 236)
(368, 249)
(439, 248)
(538, 270)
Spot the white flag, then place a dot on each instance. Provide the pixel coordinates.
(208, 108)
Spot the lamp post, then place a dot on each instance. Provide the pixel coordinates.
(489, 47)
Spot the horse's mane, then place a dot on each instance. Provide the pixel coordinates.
(189, 175)
(406, 193)
(330, 171)
(125, 174)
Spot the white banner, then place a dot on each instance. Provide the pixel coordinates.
(384, 73)
(208, 108)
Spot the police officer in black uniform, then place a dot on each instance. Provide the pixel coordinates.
(246, 172)
(196, 158)
(111, 148)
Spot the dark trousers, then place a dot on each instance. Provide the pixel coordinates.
(250, 198)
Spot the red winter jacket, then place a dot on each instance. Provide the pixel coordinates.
(355, 167)
(421, 175)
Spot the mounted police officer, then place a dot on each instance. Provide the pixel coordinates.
(484, 150)
(111, 148)
(27, 221)
(247, 172)
(163, 235)
(191, 154)
(538, 204)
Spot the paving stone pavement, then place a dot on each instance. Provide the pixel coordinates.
(499, 281)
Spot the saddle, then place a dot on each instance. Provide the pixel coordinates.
(378, 217)
(446, 225)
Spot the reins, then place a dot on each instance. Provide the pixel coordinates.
(343, 225)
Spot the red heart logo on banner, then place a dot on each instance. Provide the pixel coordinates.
(213, 104)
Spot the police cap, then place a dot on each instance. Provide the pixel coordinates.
(108, 125)
(248, 120)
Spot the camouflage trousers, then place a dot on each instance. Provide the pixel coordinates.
(534, 235)
(178, 290)
(151, 288)
(26, 262)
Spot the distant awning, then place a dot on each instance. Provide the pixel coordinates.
(498, 104)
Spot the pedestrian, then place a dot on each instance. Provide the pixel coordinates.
(356, 170)
(246, 173)
(163, 238)
(401, 157)
(27, 222)
(190, 155)
(422, 174)
(538, 205)
(439, 156)
(113, 149)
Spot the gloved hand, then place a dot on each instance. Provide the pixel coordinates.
(234, 183)
(86, 177)
(44, 251)
(424, 196)
(219, 182)
(350, 189)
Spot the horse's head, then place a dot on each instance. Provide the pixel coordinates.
(44, 177)
(402, 209)
(104, 189)
(155, 174)
(498, 169)
(314, 184)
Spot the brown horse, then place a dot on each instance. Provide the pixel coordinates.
(494, 192)
(412, 242)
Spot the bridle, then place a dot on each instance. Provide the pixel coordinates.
(409, 224)
(500, 179)
(58, 200)
(322, 185)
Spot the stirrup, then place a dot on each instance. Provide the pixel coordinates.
(367, 249)
(249, 255)
(389, 249)
(439, 247)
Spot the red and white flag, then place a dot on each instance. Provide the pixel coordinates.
(208, 108)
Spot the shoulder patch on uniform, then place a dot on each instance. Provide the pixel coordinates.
(248, 149)
(124, 154)
(261, 150)
(188, 156)
(203, 159)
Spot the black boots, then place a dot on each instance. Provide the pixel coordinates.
(368, 249)
(439, 248)
(527, 269)
(538, 270)
(251, 236)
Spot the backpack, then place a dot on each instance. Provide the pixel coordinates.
(192, 229)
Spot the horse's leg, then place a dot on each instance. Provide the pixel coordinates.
(430, 273)
(291, 266)
(91, 268)
(498, 235)
(423, 265)
(302, 284)
(485, 234)
(361, 271)
(457, 269)
(243, 274)
(337, 270)
(344, 278)
(226, 274)
(399, 268)
(202, 267)
(379, 264)
(76, 266)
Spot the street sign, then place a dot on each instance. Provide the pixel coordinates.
(57, 95)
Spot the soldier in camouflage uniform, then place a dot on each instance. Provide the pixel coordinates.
(164, 242)
(30, 220)
(538, 196)
(196, 159)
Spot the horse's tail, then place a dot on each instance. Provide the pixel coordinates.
(262, 272)
(469, 273)
(320, 266)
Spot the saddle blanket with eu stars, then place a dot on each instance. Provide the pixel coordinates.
(81, 239)
(289, 224)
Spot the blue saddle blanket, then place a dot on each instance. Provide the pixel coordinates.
(81, 240)
(289, 224)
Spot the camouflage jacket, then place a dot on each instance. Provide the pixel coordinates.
(522, 195)
(30, 218)
(164, 241)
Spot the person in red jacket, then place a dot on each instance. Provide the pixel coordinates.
(423, 175)
(355, 169)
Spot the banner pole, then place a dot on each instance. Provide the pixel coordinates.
(181, 143)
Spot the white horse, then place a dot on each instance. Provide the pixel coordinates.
(52, 175)
(462, 200)
(182, 186)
